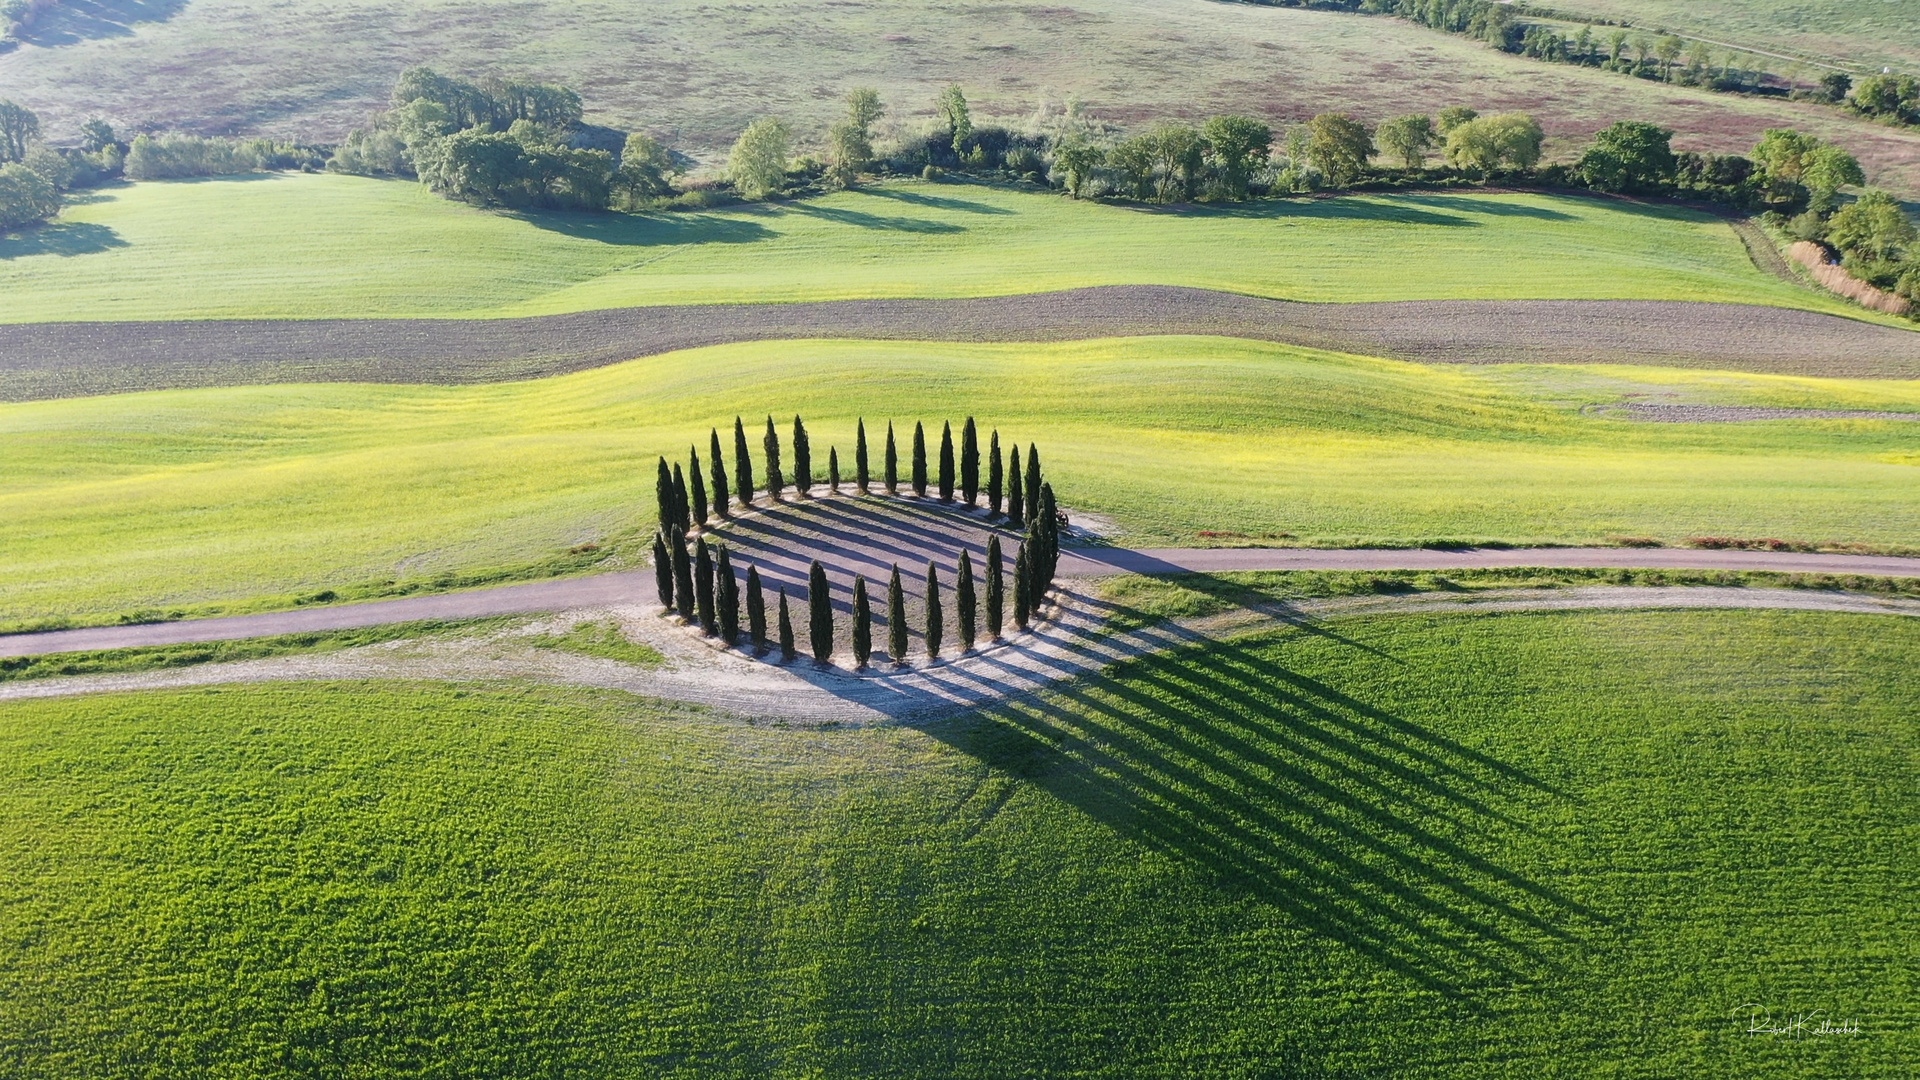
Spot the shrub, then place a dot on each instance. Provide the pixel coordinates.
(26, 197)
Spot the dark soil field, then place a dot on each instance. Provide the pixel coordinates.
(46, 360)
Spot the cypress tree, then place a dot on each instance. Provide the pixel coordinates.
(893, 463)
(896, 619)
(682, 513)
(819, 614)
(1033, 481)
(862, 624)
(719, 467)
(786, 629)
(833, 469)
(662, 570)
(860, 475)
(802, 459)
(728, 597)
(697, 510)
(996, 480)
(1050, 555)
(771, 442)
(742, 465)
(756, 611)
(996, 587)
(703, 585)
(969, 462)
(946, 462)
(935, 619)
(963, 600)
(1022, 597)
(663, 495)
(1016, 497)
(682, 577)
(919, 460)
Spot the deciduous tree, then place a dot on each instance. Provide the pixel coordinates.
(1339, 147)
(1407, 138)
(1236, 148)
(757, 164)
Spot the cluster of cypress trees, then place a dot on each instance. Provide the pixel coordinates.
(700, 585)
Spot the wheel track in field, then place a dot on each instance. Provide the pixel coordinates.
(50, 360)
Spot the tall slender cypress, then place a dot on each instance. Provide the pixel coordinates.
(893, 463)
(719, 467)
(996, 480)
(1022, 586)
(756, 611)
(963, 600)
(682, 576)
(896, 619)
(662, 570)
(697, 509)
(861, 478)
(996, 587)
(919, 459)
(969, 462)
(862, 624)
(1033, 481)
(742, 466)
(1050, 555)
(786, 629)
(663, 495)
(833, 469)
(802, 459)
(682, 513)
(936, 620)
(1016, 496)
(771, 443)
(727, 595)
(946, 462)
(819, 614)
(703, 585)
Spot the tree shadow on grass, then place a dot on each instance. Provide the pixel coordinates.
(1372, 208)
(647, 230)
(940, 202)
(80, 20)
(62, 238)
(861, 219)
(1490, 207)
(1364, 827)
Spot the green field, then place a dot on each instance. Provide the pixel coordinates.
(243, 496)
(1448, 846)
(295, 246)
(1855, 33)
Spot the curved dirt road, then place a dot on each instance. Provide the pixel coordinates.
(49, 360)
(636, 587)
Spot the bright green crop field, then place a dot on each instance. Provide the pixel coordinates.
(297, 246)
(1572, 844)
(235, 497)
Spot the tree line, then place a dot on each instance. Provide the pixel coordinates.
(699, 584)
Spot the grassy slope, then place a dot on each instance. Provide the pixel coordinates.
(678, 70)
(339, 247)
(184, 497)
(1854, 32)
(1546, 845)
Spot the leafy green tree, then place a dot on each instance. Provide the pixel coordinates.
(697, 508)
(862, 624)
(892, 463)
(1828, 169)
(952, 109)
(1016, 496)
(756, 611)
(1616, 44)
(770, 443)
(645, 172)
(1836, 84)
(682, 576)
(850, 142)
(1668, 49)
(703, 585)
(919, 459)
(19, 127)
(819, 614)
(1076, 161)
(963, 600)
(1630, 156)
(1453, 116)
(996, 587)
(719, 467)
(994, 476)
(1339, 148)
(1022, 587)
(1132, 162)
(757, 165)
(1874, 227)
(896, 619)
(1512, 140)
(802, 459)
(1179, 159)
(969, 462)
(1236, 146)
(96, 135)
(936, 620)
(861, 477)
(26, 197)
(787, 651)
(727, 597)
(1407, 138)
(662, 570)
(945, 478)
(742, 466)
